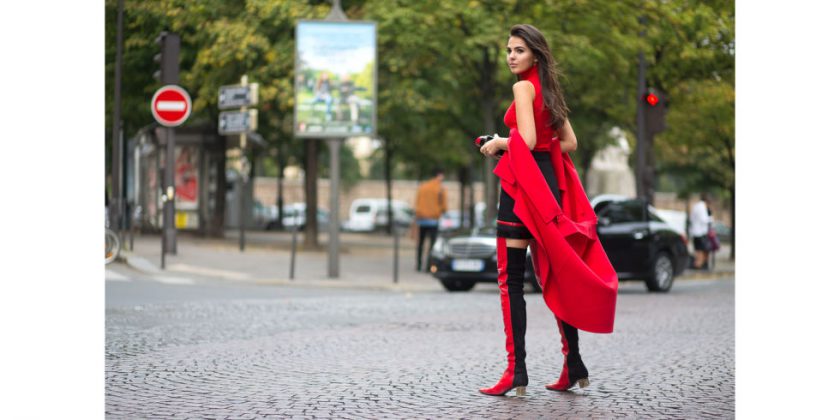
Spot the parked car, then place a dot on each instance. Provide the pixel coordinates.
(294, 216)
(674, 218)
(371, 214)
(462, 259)
(264, 216)
(724, 232)
(600, 201)
(638, 242)
(451, 220)
(641, 245)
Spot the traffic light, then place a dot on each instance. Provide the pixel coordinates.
(168, 57)
(655, 110)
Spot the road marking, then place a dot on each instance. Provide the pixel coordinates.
(173, 280)
(210, 272)
(114, 276)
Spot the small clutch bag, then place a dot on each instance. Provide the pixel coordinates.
(480, 140)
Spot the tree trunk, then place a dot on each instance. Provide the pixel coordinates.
(585, 162)
(471, 203)
(462, 189)
(310, 240)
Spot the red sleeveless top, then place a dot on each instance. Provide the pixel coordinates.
(542, 117)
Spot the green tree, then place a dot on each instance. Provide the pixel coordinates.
(691, 47)
(442, 76)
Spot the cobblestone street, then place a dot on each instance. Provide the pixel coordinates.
(286, 352)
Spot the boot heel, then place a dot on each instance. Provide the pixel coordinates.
(583, 383)
(520, 391)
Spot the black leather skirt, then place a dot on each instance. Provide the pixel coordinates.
(507, 224)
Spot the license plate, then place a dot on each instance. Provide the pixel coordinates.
(467, 265)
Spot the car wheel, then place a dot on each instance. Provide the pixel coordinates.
(662, 275)
(458, 285)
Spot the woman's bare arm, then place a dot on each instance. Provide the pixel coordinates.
(523, 97)
(568, 140)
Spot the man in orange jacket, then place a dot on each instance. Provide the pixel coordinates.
(430, 204)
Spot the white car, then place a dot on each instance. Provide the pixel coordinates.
(370, 214)
(294, 215)
(674, 218)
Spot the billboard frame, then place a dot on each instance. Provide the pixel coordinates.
(375, 87)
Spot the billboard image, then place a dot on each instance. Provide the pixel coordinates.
(335, 79)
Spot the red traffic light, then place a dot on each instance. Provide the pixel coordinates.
(652, 99)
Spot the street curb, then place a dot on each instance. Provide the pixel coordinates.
(715, 275)
(145, 266)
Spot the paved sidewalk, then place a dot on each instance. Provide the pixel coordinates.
(365, 261)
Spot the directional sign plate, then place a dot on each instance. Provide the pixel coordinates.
(235, 96)
(237, 122)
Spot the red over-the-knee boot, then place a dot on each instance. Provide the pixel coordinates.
(574, 371)
(511, 265)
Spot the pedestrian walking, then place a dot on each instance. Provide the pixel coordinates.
(543, 206)
(323, 93)
(699, 221)
(430, 204)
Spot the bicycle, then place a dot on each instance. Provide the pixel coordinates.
(112, 246)
(112, 242)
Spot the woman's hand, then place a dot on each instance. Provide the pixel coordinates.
(494, 146)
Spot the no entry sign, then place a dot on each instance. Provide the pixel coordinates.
(171, 105)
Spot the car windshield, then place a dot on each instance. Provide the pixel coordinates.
(623, 211)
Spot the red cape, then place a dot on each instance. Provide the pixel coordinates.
(579, 283)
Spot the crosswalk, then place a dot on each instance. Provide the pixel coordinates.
(111, 275)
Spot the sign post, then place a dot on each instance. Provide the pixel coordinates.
(239, 122)
(335, 95)
(171, 106)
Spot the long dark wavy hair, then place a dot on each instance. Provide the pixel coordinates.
(553, 99)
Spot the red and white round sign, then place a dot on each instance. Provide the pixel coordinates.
(171, 105)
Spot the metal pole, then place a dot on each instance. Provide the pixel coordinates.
(243, 138)
(641, 132)
(167, 198)
(396, 232)
(169, 208)
(336, 15)
(116, 150)
(241, 213)
(335, 146)
(163, 250)
(294, 244)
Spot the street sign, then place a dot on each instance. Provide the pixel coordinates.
(235, 96)
(171, 105)
(237, 122)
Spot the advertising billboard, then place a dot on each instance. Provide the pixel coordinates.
(335, 79)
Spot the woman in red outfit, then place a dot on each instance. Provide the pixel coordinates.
(539, 117)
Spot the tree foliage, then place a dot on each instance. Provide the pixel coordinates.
(442, 77)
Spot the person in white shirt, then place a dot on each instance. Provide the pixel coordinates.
(699, 230)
